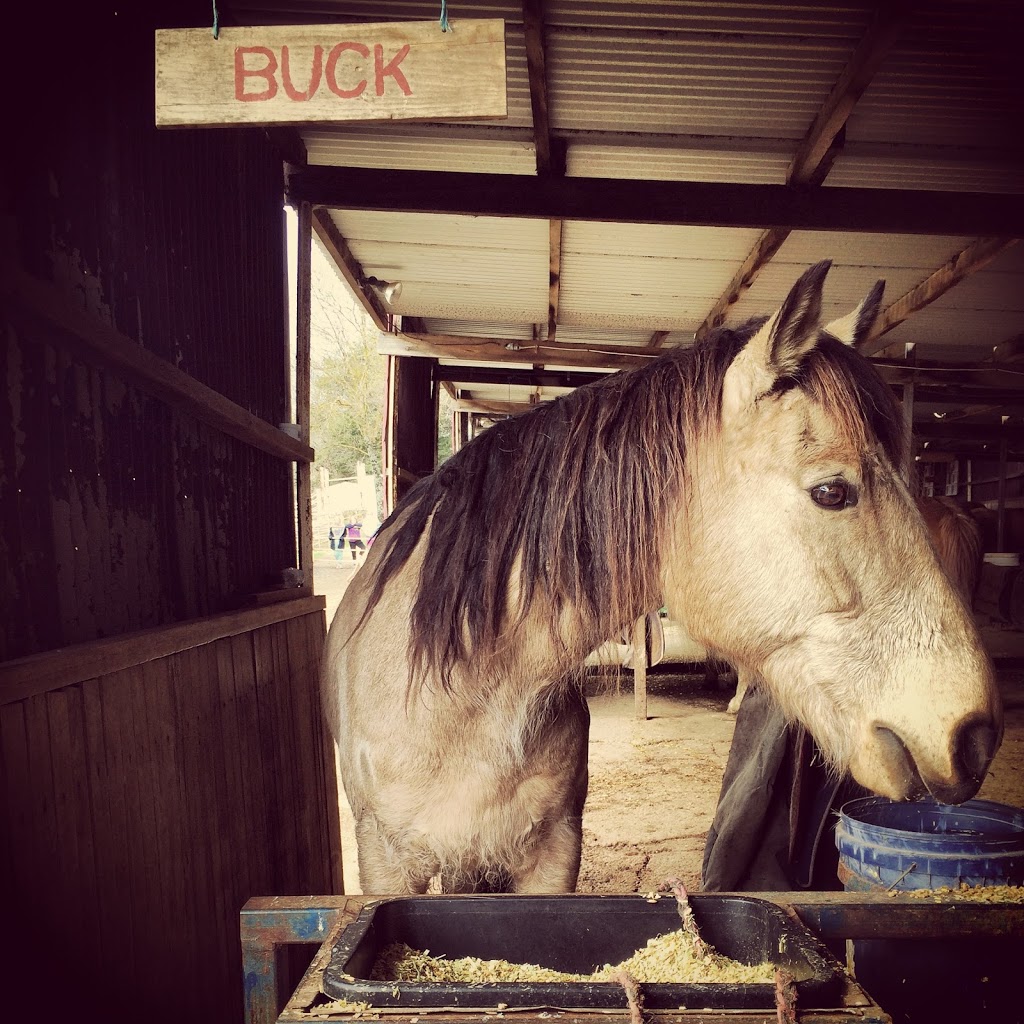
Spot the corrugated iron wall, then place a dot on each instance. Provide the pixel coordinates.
(117, 513)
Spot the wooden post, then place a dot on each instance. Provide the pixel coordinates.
(908, 416)
(1001, 508)
(640, 668)
(413, 411)
(303, 310)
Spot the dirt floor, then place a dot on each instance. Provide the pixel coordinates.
(654, 785)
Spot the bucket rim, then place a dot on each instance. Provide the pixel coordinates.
(1010, 816)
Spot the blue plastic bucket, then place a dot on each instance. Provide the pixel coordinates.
(928, 845)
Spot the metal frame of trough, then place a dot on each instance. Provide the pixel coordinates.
(270, 923)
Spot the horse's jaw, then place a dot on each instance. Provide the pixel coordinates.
(924, 723)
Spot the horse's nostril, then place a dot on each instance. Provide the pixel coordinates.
(976, 744)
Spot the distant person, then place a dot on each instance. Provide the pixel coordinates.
(354, 533)
(340, 542)
(330, 537)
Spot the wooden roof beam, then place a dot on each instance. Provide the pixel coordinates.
(500, 350)
(887, 22)
(550, 152)
(968, 261)
(462, 375)
(639, 201)
(767, 245)
(488, 408)
(819, 147)
(348, 267)
(1009, 351)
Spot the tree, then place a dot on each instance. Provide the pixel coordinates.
(348, 378)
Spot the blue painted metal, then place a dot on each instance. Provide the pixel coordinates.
(267, 923)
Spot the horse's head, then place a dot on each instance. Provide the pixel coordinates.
(810, 565)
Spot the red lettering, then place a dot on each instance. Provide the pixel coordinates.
(332, 64)
(314, 75)
(266, 73)
(391, 68)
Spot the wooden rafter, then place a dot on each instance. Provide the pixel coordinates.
(488, 408)
(767, 245)
(348, 267)
(462, 374)
(495, 350)
(657, 339)
(637, 201)
(640, 201)
(968, 261)
(887, 21)
(549, 160)
(1009, 351)
(818, 148)
(953, 415)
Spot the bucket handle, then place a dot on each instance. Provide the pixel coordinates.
(900, 879)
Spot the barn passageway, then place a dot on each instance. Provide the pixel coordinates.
(654, 785)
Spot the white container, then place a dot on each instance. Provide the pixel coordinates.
(1002, 558)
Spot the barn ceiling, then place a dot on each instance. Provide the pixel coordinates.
(667, 166)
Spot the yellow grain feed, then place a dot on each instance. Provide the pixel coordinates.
(667, 958)
(975, 893)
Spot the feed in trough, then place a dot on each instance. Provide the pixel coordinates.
(665, 959)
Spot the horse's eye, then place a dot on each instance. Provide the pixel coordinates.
(836, 494)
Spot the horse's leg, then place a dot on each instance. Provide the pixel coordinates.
(382, 870)
(742, 682)
(551, 862)
(554, 862)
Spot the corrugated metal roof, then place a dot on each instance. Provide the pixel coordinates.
(701, 92)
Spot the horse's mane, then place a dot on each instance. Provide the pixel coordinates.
(570, 500)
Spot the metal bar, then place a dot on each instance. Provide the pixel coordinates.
(265, 923)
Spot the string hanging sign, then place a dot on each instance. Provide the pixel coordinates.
(392, 71)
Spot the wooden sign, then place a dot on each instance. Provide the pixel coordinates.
(409, 71)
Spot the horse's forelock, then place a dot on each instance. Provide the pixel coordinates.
(862, 404)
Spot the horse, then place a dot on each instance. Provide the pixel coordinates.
(956, 537)
(750, 482)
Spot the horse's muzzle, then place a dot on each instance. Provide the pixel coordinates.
(974, 744)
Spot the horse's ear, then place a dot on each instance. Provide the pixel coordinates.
(777, 349)
(855, 327)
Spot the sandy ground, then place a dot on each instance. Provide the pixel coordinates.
(654, 785)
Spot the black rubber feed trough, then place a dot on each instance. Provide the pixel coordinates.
(576, 934)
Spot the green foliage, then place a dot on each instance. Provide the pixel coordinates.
(445, 416)
(348, 380)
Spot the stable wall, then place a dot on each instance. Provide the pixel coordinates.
(143, 805)
(162, 757)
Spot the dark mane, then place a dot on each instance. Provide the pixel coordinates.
(842, 380)
(569, 501)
